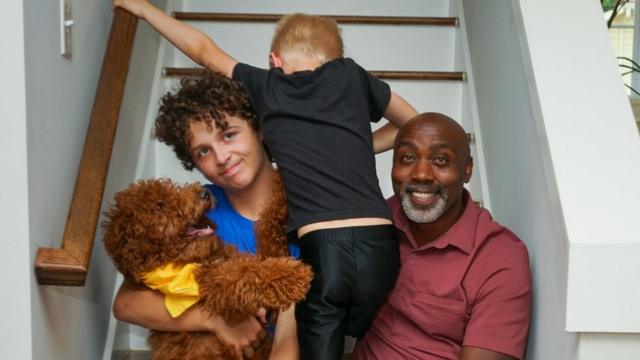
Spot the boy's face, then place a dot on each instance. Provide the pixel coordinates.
(230, 158)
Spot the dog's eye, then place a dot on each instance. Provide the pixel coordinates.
(204, 194)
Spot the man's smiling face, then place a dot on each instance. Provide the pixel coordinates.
(431, 163)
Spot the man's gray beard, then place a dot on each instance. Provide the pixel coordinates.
(423, 215)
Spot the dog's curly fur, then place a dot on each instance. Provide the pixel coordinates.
(146, 228)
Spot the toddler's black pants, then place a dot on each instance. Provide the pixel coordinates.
(354, 270)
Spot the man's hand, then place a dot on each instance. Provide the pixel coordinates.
(244, 337)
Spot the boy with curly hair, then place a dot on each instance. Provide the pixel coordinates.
(314, 108)
(209, 123)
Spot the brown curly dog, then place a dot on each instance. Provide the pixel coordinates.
(147, 228)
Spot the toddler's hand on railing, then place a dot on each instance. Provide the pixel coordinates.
(136, 7)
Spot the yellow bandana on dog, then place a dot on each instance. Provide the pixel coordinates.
(178, 284)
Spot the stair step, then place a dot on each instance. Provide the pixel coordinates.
(341, 19)
(388, 75)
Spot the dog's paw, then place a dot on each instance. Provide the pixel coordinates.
(239, 287)
(283, 281)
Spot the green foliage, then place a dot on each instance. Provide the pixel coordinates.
(607, 4)
(615, 6)
(628, 66)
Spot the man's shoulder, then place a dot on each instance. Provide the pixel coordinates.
(499, 248)
(495, 234)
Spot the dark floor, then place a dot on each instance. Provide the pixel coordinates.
(146, 355)
(131, 355)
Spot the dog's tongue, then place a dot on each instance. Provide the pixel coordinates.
(192, 231)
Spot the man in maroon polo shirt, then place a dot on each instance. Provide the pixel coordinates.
(464, 287)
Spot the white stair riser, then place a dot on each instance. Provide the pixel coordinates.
(376, 47)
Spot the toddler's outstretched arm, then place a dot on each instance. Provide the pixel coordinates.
(398, 112)
(192, 42)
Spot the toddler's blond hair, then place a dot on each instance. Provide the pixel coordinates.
(309, 35)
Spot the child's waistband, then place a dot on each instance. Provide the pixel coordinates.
(367, 232)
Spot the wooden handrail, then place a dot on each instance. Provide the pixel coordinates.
(69, 265)
(341, 19)
(420, 75)
(389, 75)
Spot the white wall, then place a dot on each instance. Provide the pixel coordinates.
(468, 117)
(562, 155)
(67, 322)
(71, 322)
(599, 346)
(520, 181)
(15, 329)
(595, 149)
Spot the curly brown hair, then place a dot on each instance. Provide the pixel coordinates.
(208, 98)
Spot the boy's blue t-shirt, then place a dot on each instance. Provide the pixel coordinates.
(233, 228)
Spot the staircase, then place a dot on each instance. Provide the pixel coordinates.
(417, 48)
(541, 133)
(557, 154)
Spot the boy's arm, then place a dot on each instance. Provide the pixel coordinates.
(146, 308)
(285, 341)
(398, 112)
(192, 42)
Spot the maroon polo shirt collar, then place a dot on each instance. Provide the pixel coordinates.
(461, 234)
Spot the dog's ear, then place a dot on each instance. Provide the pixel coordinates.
(126, 239)
(117, 234)
(148, 216)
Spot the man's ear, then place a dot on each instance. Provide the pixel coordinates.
(468, 169)
(275, 60)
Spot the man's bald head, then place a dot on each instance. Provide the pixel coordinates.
(456, 133)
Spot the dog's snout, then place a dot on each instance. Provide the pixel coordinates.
(205, 194)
